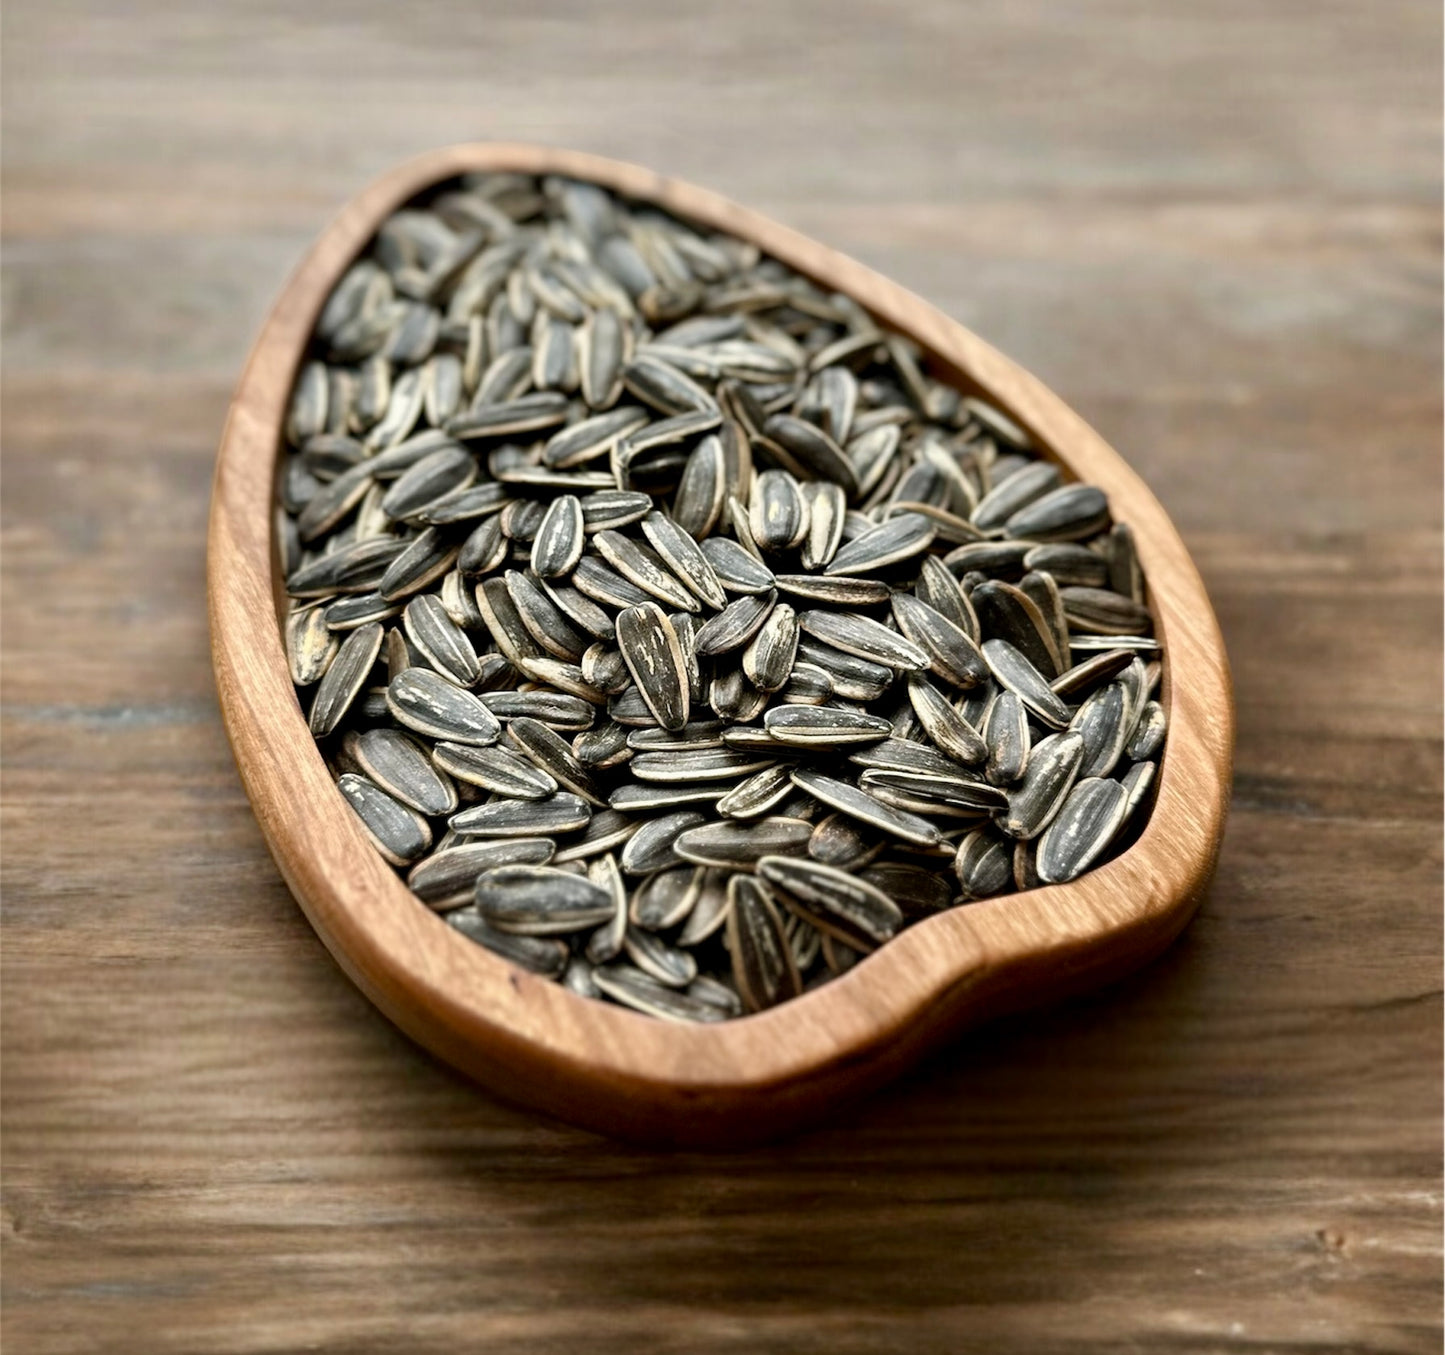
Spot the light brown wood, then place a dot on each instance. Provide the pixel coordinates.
(611, 1069)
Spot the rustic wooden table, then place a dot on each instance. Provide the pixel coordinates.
(1213, 228)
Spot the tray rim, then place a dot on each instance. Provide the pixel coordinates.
(602, 1066)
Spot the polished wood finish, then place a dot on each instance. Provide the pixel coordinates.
(1214, 229)
(602, 1066)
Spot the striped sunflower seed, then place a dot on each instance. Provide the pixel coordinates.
(1052, 766)
(650, 648)
(540, 900)
(832, 900)
(561, 812)
(558, 545)
(398, 833)
(762, 964)
(400, 766)
(1019, 676)
(494, 769)
(447, 878)
(345, 678)
(739, 845)
(1082, 829)
(539, 954)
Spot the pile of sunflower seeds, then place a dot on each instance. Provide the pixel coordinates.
(676, 634)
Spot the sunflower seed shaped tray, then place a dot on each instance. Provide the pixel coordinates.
(668, 622)
(680, 638)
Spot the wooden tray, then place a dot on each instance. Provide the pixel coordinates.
(532, 1040)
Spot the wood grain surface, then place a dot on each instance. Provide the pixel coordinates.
(1213, 228)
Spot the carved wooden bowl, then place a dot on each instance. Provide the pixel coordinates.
(601, 1066)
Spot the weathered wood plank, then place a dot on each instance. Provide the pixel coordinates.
(1214, 230)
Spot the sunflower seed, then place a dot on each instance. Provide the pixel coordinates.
(603, 584)
(761, 792)
(1091, 672)
(592, 438)
(864, 638)
(614, 508)
(853, 678)
(661, 961)
(345, 678)
(900, 538)
(664, 899)
(560, 812)
(1102, 722)
(1006, 733)
(664, 387)
(542, 619)
(550, 753)
(504, 621)
(768, 658)
(484, 550)
(1015, 492)
(984, 865)
(606, 830)
(539, 954)
(735, 625)
(1065, 514)
(832, 900)
(447, 878)
(918, 892)
(603, 747)
(777, 514)
(1016, 673)
(540, 900)
(634, 988)
(1101, 612)
(401, 767)
(736, 569)
(823, 726)
(680, 553)
(1052, 766)
(650, 648)
(560, 710)
(739, 845)
(952, 653)
(816, 452)
(1082, 830)
(604, 347)
(1138, 781)
(839, 590)
(651, 847)
(904, 756)
(508, 418)
(952, 795)
(494, 769)
(431, 479)
(398, 833)
(357, 568)
(858, 804)
(701, 490)
(1148, 735)
(762, 965)
(441, 641)
(558, 545)
(310, 644)
(1069, 563)
(349, 613)
(427, 703)
(642, 567)
(695, 764)
(943, 723)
